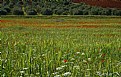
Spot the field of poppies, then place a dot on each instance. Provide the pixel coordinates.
(60, 47)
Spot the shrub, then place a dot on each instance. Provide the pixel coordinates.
(3, 11)
(18, 11)
(59, 11)
(85, 12)
(76, 12)
(93, 11)
(65, 13)
(46, 11)
(7, 9)
(117, 12)
(31, 12)
(105, 12)
(38, 8)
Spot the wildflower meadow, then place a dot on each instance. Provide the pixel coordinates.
(60, 47)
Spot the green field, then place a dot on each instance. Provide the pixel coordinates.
(60, 47)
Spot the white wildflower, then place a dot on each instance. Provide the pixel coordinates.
(84, 61)
(55, 73)
(21, 72)
(37, 73)
(64, 66)
(67, 74)
(77, 52)
(25, 68)
(89, 59)
(83, 54)
(100, 50)
(43, 55)
(57, 76)
(98, 73)
(3, 75)
(59, 68)
(72, 59)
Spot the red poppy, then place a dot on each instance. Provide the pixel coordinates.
(103, 55)
(65, 61)
(102, 60)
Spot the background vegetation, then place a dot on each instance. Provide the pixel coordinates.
(52, 7)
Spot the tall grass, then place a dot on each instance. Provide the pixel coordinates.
(61, 52)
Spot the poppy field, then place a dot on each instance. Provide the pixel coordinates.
(60, 47)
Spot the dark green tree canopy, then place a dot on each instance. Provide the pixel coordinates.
(52, 7)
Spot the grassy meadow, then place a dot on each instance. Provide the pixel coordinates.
(60, 47)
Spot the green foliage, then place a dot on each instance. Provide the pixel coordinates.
(93, 11)
(11, 4)
(59, 11)
(7, 8)
(18, 11)
(3, 11)
(38, 8)
(76, 12)
(116, 12)
(58, 7)
(46, 11)
(85, 12)
(31, 12)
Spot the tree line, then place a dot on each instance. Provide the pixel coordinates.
(52, 7)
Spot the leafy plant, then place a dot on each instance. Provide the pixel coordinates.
(18, 11)
(3, 11)
(46, 11)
